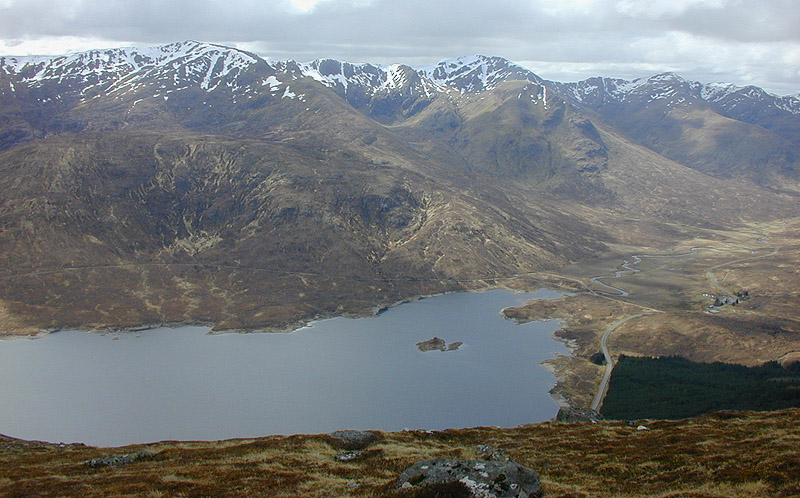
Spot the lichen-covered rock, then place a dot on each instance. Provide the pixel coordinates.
(117, 460)
(487, 452)
(577, 415)
(483, 478)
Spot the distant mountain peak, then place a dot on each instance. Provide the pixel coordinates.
(668, 76)
(111, 64)
(671, 90)
(475, 73)
(466, 74)
(342, 75)
(711, 90)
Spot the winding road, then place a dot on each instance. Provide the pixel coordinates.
(602, 389)
(710, 272)
(597, 402)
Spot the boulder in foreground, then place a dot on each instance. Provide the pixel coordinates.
(352, 440)
(482, 478)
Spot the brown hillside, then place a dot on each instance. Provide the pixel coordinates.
(722, 455)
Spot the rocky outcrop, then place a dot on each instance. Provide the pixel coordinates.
(117, 460)
(577, 415)
(482, 478)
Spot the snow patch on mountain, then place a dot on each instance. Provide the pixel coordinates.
(716, 91)
(467, 74)
(789, 103)
(475, 73)
(342, 75)
(125, 69)
(369, 79)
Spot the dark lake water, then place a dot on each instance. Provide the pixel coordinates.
(341, 373)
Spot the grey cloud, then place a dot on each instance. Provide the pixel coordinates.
(776, 20)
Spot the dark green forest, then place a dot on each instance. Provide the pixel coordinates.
(674, 387)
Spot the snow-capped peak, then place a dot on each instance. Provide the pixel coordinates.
(665, 87)
(668, 77)
(136, 72)
(99, 61)
(714, 91)
(176, 66)
(671, 90)
(475, 73)
(730, 96)
(209, 66)
(342, 75)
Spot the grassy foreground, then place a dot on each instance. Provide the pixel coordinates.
(721, 455)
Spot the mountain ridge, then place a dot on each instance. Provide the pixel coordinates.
(479, 67)
(388, 94)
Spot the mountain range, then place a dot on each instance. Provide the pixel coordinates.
(197, 183)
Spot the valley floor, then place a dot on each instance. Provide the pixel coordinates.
(721, 455)
(667, 297)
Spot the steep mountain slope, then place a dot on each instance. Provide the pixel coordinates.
(196, 183)
(722, 130)
(157, 228)
(522, 133)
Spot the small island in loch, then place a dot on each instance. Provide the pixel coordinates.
(437, 343)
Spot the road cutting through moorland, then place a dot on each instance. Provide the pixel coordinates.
(602, 389)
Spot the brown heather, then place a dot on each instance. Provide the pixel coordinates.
(721, 455)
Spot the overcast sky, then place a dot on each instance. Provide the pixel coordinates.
(739, 41)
